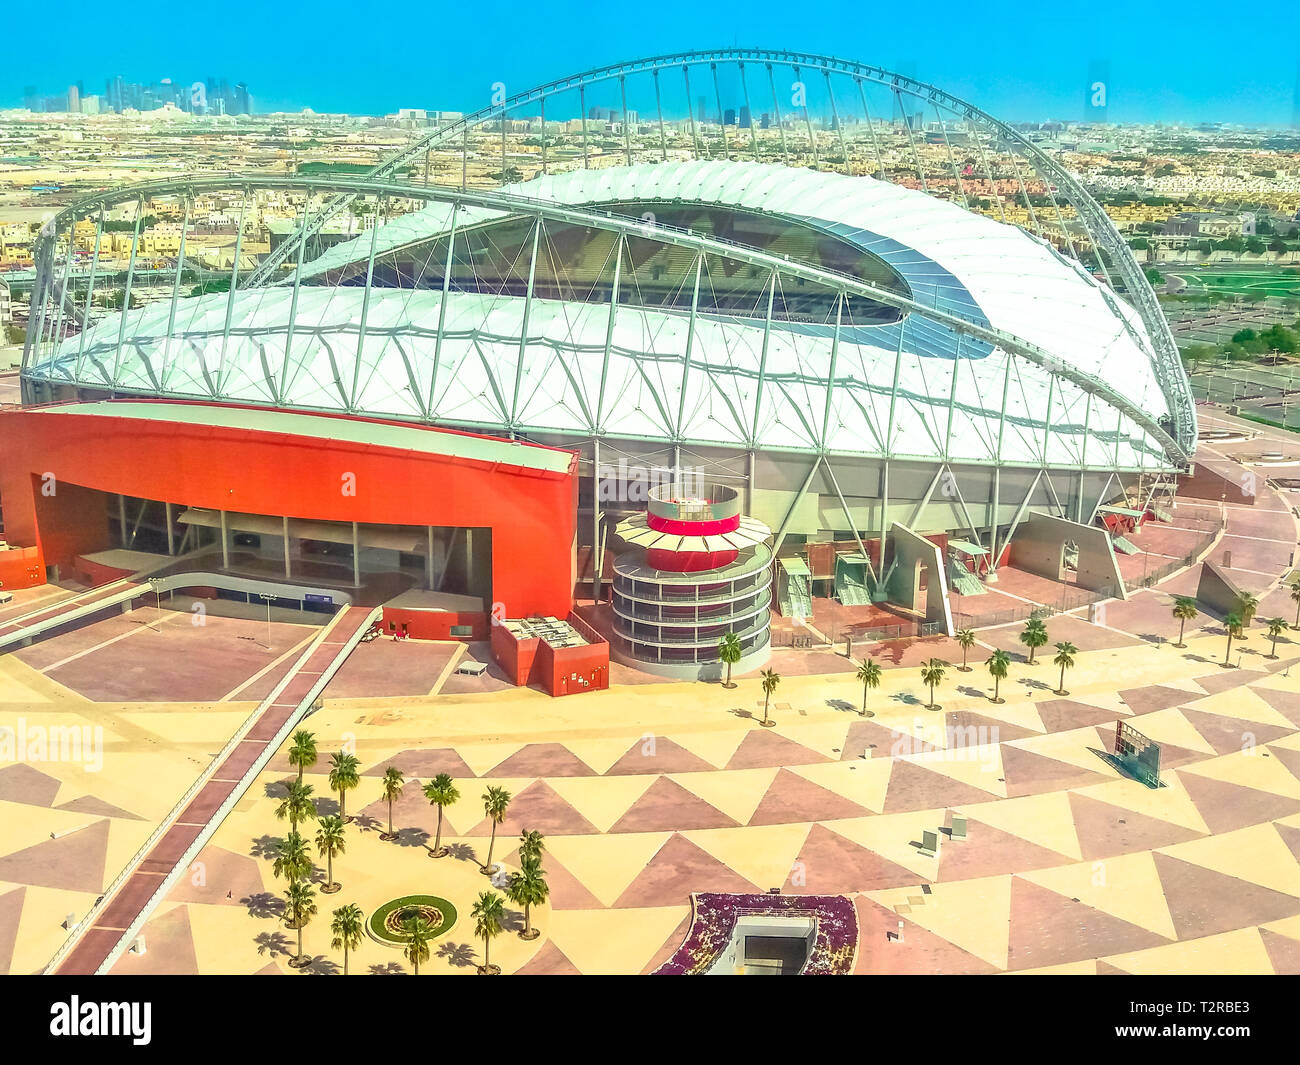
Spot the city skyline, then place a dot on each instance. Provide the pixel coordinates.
(1042, 70)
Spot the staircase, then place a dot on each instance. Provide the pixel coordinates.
(1124, 547)
(963, 581)
(797, 601)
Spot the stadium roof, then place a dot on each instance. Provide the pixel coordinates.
(914, 387)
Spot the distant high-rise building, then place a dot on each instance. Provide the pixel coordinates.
(31, 99)
(729, 116)
(746, 119)
(74, 99)
(243, 101)
(701, 108)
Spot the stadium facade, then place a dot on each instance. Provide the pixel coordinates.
(876, 312)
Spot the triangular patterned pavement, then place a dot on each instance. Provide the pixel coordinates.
(986, 729)
(862, 734)
(1229, 734)
(542, 760)
(763, 749)
(1283, 952)
(1062, 715)
(23, 783)
(1155, 697)
(1028, 773)
(1050, 929)
(88, 804)
(549, 961)
(678, 869)
(792, 798)
(1102, 835)
(1227, 679)
(829, 864)
(914, 787)
(1204, 903)
(666, 806)
(920, 952)
(664, 757)
(1226, 806)
(11, 909)
(169, 948)
(1285, 703)
(74, 862)
(670, 946)
(538, 808)
(1291, 837)
(425, 763)
(989, 851)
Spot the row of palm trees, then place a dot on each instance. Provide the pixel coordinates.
(294, 862)
(1237, 620)
(933, 670)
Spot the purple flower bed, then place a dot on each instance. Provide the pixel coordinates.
(714, 920)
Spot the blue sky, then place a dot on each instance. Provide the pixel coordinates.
(1192, 61)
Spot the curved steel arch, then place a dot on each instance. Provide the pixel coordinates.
(515, 204)
(1168, 365)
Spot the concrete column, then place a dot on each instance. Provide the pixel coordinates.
(428, 561)
(288, 569)
(121, 516)
(356, 555)
(225, 542)
(171, 532)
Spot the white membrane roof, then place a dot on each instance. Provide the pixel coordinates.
(908, 389)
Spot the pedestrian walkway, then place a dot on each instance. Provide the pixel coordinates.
(121, 911)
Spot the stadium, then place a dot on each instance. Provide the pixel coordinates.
(899, 333)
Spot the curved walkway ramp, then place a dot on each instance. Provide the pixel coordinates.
(117, 917)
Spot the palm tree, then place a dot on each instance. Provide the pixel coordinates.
(1247, 604)
(1034, 636)
(292, 858)
(418, 933)
(1295, 598)
(347, 928)
(868, 675)
(392, 789)
(488, 912)
(528, 888)
(729, 651)
(1276, 626)
(531, 845)
(303, 752)
(299, 909)
(1065, 652)
(441, 792)
(1232, 624)
(771, 678)
(496, 801)
(932, 672)
(999, 663)
(1184, 610)
(297, 805)
(966, 640)
(329, 842)
(343, 778)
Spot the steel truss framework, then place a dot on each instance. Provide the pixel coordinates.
(52, 354)
(1109, 252)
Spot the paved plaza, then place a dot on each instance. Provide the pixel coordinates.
(649, 792)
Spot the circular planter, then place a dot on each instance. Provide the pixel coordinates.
(385, 924)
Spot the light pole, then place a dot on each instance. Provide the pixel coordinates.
(268, 600)
(156, 585)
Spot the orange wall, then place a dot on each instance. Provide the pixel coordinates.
(532, 513)
(434, 624)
